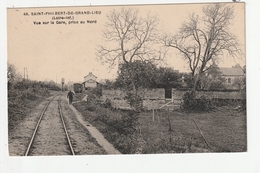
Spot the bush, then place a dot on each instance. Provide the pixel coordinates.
(243, 94)
(135, 101)
(96, 91)
(20, 93)
(190, 102)
(127, 124)
(107, 104)
(91, 108)
(122, 122)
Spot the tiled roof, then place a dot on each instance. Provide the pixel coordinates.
(226, 71)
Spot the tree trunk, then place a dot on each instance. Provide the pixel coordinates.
(136, 101)
(196, 82)
(134, 89)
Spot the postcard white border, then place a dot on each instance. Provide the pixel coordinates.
(229, 162)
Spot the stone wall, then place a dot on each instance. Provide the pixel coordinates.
(222, 95)
(113, 94)
(144, 93)
(155, 98)
(211, 94)
(152, 98)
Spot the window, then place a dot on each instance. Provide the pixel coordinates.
(229, 80)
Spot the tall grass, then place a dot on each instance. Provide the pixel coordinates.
(128, 136)
(20, 94)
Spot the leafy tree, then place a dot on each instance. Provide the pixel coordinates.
(147, 75)
(188, 80)
(142, 74)
(108, 84)
(212, 79)
(168, 78)
(12, 74)
(202, 39)
(239, 82)
(243, 93)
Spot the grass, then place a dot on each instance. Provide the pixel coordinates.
(22, 97)
(224, 130)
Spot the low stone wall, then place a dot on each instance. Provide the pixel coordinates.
(158, 93)
(150, 104)
(154, 98)
(221, 95)
(113, 94)
(211, 94)
(120, 104)
(144, 93)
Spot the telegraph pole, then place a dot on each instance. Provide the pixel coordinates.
(27, 73)
(62, 82)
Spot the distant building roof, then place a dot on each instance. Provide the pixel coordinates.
(90, 73)
(234, 71)
(91, 81)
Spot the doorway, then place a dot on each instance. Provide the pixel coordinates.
(168, 93)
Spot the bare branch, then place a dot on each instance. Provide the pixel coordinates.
(132, 36)
(204, 39)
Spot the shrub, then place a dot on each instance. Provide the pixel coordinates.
(190, 102)
(107, 104)
(122, 122)
(243, 93)
(91, 108)
(134, 100)
(20, 93)
(96, 91)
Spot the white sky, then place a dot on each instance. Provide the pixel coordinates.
(68, 51)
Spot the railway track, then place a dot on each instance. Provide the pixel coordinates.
(50, 136)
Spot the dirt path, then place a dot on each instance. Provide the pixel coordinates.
(108, 147)
(82, 141)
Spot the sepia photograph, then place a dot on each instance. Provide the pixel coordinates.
(127, 79)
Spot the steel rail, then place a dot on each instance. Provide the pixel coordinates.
(36, 127)
(64, 127)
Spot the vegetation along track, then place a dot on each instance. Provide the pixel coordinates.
(50, 128)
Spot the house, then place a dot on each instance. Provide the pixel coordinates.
(232, 75)
(90, 81)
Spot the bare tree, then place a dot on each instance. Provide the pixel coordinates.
(202, 40)
(130, 37)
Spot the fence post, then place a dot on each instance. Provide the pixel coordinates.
(153, 110)
(172, 103)
(157, 115)
(170, 126)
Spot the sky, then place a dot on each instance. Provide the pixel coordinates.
(55, 51)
